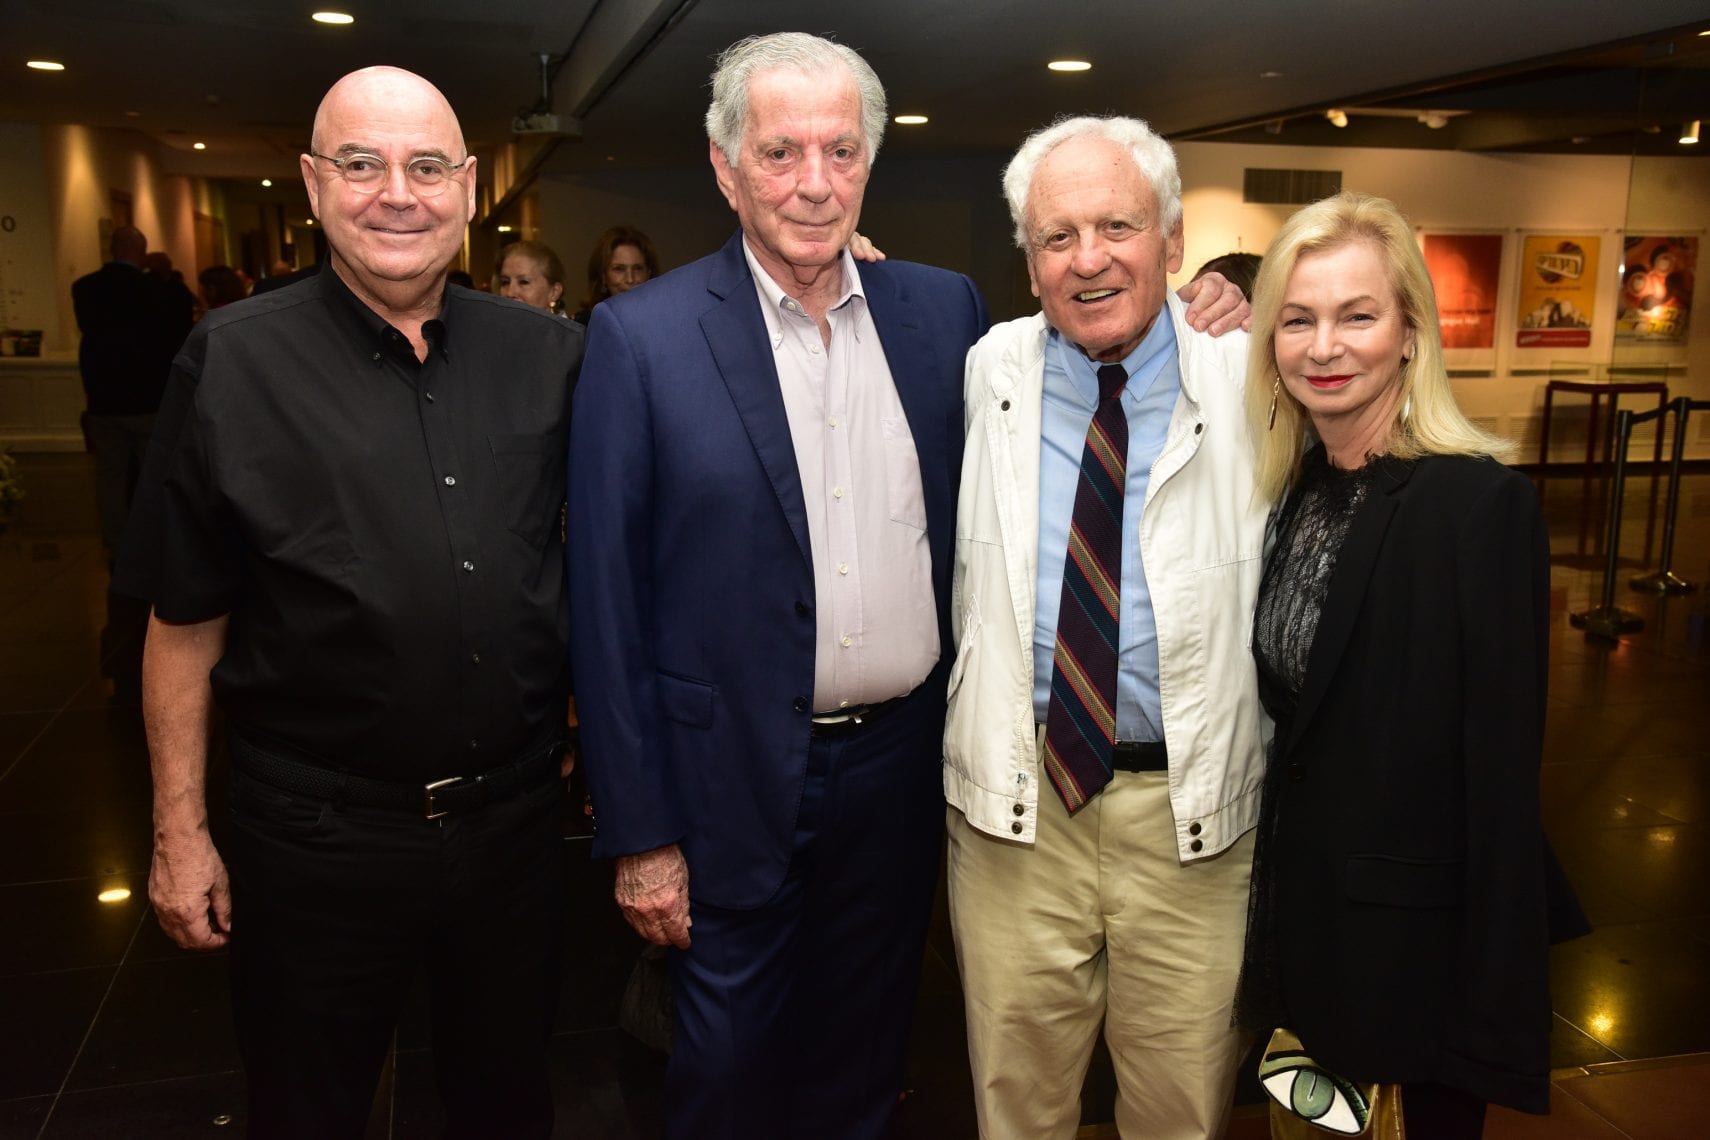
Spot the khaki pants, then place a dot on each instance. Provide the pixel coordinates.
(1099, 921)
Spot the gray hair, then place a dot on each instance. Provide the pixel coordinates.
(1154, 157)
(739, 63)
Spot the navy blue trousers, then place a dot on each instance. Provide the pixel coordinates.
(793, 1018)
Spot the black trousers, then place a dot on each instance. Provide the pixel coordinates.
(335, 909)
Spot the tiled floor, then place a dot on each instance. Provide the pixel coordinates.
(106, 1029)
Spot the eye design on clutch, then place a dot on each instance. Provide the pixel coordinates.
(1297, 1083)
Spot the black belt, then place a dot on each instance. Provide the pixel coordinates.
(841, 722)
(434, 799)
(1140, 756)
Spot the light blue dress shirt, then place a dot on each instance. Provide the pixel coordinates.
(1071, 397)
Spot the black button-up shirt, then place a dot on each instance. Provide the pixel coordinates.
(384, 533)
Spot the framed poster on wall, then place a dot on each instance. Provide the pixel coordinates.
(1655, 305)
(1466, 274)
(1557, 302)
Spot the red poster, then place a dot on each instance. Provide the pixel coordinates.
(1465, 269)
(1656, 289)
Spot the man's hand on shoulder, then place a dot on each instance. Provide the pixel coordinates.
(188, 886)
(1216, 304)
(653, 890)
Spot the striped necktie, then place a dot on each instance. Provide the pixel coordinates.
(1080, 723)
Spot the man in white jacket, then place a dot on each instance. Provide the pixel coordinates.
(1121, 896)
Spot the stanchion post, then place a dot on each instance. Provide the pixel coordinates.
(1608, 621)
(1665, 580)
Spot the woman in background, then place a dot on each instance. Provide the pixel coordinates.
(622, 259)
(1401, 879)
(531, 273)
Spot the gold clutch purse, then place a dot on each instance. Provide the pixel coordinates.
(1309, 1102)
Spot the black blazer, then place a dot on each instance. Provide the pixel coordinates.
(1409, 862)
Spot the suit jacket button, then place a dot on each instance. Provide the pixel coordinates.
(1197, 845)
(1016, 827)
(1193, 829)
(1296, 773)
(801, 609)
(801, 704)
(1020, 810)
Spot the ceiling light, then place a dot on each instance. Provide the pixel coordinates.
(1436, 120)
(113, 895)
(1274, 127)
(46, 65)
(909, 120)
(133, 114)
(308, 221)
(1069, 65)
(333, 18)
(504, 229)
(1270, 75)
(199, 146)
(1337, 117)
(1689, 132)
(267, 182)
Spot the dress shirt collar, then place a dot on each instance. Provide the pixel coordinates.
(1142, 365)
(773, 299)
(372, 329)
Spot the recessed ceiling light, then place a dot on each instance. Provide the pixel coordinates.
(199, 146)
(308, 221)
(1270, 75)
(504, 229)
(909, 120)
(268, 182)
(333, 18)
(113, 895)
(45, 65)
(1069, 65)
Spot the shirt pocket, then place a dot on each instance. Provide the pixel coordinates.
(529, 471)
(906, 499)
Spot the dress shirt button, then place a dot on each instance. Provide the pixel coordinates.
(800, 704)
(832, 421)
(837, 492)
(376, 356)
(845, 641)
(451, 480)
(468, 566)
(814, 349)
(1197, 845)
(1296, 772)
(428, 396)
(474, 744)
(474, 659)
(1193, 829)
(1020, 809)
(843, 567)
(1016, 827)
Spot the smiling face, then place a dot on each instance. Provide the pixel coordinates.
(626, 269)
(523, 278)
(801, 172)
(1340, 342)
(393, 241)
(1096, 256)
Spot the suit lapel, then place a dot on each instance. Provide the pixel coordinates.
(1347, 591)
(736, 335)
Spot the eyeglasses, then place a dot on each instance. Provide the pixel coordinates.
(367, 173)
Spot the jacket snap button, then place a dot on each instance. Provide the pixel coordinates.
(1196, 845)
(1020, 810)
(1005, 405)
(1197, 428)
(1193, 829)
(1016, 827)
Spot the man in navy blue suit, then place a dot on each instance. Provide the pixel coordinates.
(765, 452)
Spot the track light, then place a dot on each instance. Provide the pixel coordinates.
(1689, 132)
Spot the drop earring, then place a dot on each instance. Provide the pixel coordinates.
(1276, 386)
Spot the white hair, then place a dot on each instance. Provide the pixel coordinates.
(739, 63)
(1154, 157)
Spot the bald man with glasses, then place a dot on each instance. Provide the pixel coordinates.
(349, 536)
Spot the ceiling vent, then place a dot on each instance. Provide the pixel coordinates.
(1289, 187)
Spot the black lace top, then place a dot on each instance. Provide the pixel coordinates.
(1309, 531)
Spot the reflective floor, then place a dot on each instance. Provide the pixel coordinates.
(107, 1029)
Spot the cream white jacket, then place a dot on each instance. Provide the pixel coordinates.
(1201, 541)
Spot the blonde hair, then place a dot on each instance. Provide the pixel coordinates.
(1427, 420)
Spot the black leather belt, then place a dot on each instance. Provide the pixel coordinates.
(1140, 756)
(841, 722)
(433, 800)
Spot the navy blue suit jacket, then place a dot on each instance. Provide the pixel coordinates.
(692, 592)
